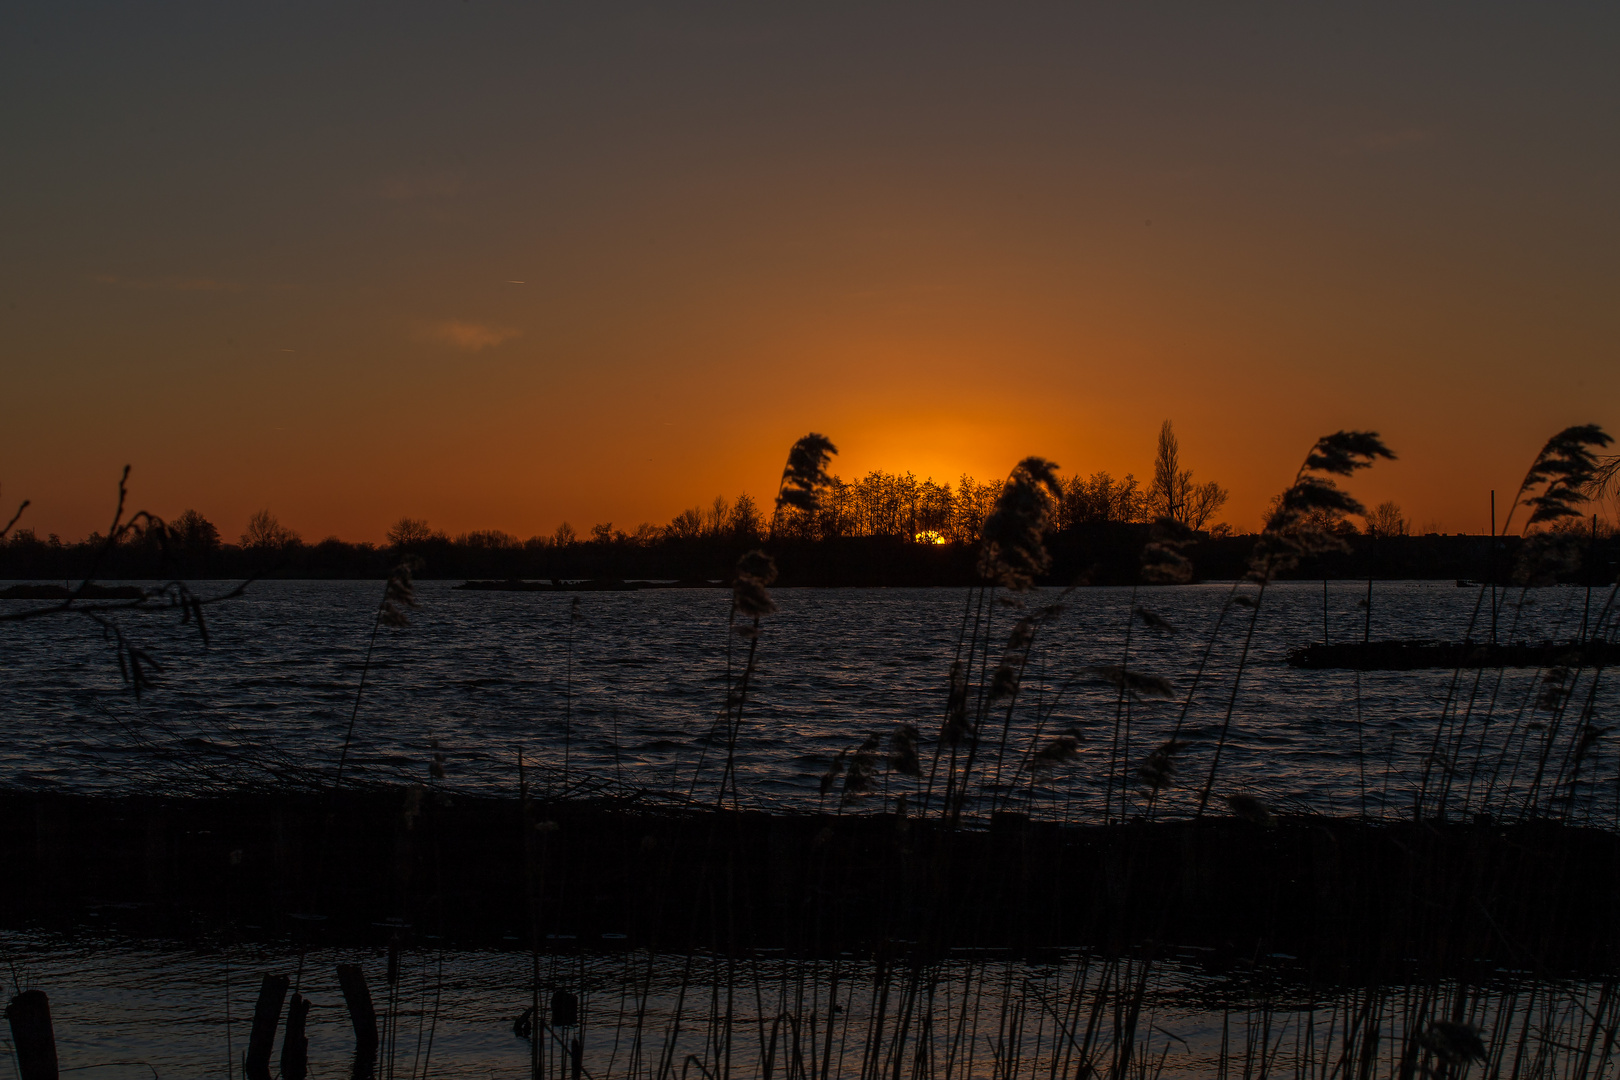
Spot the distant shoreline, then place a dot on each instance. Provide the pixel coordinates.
(1100, 554)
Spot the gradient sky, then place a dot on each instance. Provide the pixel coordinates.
(502, 264)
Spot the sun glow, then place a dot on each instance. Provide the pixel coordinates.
(929, 536)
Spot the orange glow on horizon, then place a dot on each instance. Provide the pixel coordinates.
(594, 268)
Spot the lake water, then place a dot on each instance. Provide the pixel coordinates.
(124, 1011)
(630, 689)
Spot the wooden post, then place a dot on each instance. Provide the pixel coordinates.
(266, 1015)
(295, 1045)
(30, 1016)
(362, 1015)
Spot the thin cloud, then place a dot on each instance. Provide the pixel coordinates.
(169, 284)
(468, 336)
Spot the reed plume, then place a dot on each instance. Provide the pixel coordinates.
(834, 771)
(805, 475)
(903, 757)
(1004, 682)
(749, 598)
(956, 726)
(1453, 1043)
(399, 593)
(1251, 810)
(399, 596)
(1154, 619)
(1566, 471)
(755, 571)
(1162, 560)
(1158, 769)
(862, 768)
(1545, 556)
(1059, 750)
(1014, 550)
(1295, 528)
(1137, 684)
(1299, 525)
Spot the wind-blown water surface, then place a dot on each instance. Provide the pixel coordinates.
(487, 674)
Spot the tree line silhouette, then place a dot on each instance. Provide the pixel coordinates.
(882, 528)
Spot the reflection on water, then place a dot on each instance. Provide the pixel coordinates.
(485, 674)
(972, 1014)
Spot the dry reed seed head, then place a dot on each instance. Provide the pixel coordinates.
(830, 777)
(757, 565)
(1059, 750)
(1014, 550)
(1004, 683)
(1551, 698)
(399, 593)
(1544, 557)
(1553, 692)
(1453, 1043)
(1161, 559)
(750, 597)
(1153, 619)
(862, 767)
(1569, 470)
(1158, 769)
(1302, 522)
(755, 570)
(955, 727)
(903, 757)
(1022, 635)
(1164, 565)
(805, 475)
(1590, 734)
(1138, 684)
(1343, 452)
(1171, 533)
(1251, 810)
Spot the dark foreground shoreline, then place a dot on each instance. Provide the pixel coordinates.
(1342, 895)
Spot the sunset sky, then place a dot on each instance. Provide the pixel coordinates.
(498, 265)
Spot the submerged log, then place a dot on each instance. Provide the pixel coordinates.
(31, 1035)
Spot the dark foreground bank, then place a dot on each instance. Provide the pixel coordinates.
(1349, 894)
